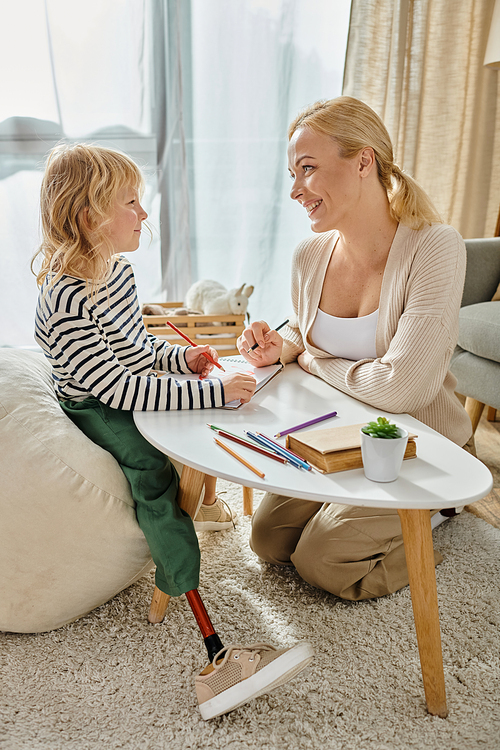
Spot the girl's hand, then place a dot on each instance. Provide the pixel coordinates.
(238, 385)
(305, 360)
(197, 362)
(270, 344)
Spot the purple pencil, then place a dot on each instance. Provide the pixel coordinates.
(306, 424)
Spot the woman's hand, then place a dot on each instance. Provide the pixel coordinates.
(270, 344)
(304, 359)
(197, 362)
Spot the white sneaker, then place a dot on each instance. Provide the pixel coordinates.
(240, 673)
(215, 517)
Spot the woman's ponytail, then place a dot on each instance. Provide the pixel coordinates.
(409, 203)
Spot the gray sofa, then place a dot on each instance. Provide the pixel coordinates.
(476, 361)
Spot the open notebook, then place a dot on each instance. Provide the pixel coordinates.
(237, 364)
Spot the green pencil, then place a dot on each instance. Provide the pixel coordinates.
(223, 429)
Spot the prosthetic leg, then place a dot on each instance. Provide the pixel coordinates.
(212, 641)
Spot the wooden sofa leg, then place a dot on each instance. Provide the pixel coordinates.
(474, 409)
(247, 501)
(492, 414)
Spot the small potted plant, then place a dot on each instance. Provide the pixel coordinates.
(383, 446)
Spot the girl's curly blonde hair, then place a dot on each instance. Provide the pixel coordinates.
(354, 125)
(78, 191)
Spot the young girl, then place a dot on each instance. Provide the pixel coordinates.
(89, 325)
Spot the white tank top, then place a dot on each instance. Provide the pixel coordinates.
(348, 338)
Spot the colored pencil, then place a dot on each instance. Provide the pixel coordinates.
(278, 445)
(276, 329)
(247, 444)
(186, 338)
(274, 444)
(240, 459)
(306, 424)
(298, 463)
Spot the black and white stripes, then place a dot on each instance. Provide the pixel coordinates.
(100, 347)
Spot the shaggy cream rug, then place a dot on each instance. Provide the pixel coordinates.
(111, 680)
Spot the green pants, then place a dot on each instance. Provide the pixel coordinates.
(153, 480)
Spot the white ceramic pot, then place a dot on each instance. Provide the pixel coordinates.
(382, 458)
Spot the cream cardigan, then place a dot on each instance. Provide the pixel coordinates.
(417, 327)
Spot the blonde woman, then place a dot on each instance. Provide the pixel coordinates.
(376, 296)
(89, 325)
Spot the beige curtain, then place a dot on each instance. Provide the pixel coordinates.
(419, 64)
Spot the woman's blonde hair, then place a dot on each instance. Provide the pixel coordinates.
(354, 126)
(78, 190)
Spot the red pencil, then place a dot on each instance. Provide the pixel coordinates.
(248, 444)
(186, 338)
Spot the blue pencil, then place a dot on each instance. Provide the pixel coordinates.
(270, 444)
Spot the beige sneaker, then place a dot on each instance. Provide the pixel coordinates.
(240, 673)
(216, 517)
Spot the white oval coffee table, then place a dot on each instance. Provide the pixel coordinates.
(442, 475)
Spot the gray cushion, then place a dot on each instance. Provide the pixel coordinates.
(480, 330)
(476, 377)
(483, 270)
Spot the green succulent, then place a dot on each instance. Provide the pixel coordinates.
(382, 428)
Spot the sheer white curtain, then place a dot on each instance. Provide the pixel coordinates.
(255, 64)
(200, 93)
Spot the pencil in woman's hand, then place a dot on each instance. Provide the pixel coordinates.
(255, 346)
(186, 338)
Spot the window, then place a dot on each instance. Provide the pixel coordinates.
(200, 93)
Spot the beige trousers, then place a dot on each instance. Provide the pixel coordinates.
(355, 553)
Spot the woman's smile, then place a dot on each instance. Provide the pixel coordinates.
(311, 206)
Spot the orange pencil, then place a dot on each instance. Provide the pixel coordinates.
(240, 459)
(186, 338)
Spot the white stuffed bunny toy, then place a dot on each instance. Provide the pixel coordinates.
(212, 298)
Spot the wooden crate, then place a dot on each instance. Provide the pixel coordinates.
(220, 331)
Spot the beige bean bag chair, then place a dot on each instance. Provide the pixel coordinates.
(69, 538)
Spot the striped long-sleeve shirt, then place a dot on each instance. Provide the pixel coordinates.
(417, 327)
(100, 347)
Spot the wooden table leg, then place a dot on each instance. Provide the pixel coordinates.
(417, 536)
(247, 501)
(188, 498)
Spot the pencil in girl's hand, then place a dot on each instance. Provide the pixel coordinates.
(255, 346)
(186, 338)
(240, 459)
